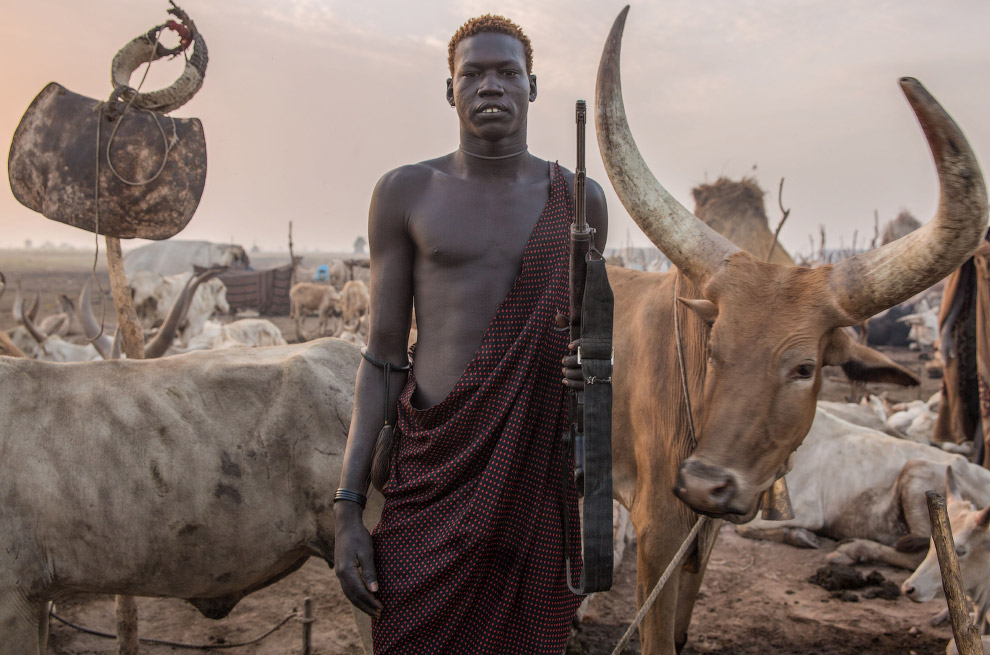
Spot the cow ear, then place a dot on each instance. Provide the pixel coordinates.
(706, 309)
(863, 364)
(952, 487)
(982, 518)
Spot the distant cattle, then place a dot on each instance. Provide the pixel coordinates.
(246, 332)
(310, 297)
(178, 256)
(355, 302)
(153, 295)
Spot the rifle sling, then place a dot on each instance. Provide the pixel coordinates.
(596, 365)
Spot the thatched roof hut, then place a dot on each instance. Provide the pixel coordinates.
(736, 211)
(898, 227)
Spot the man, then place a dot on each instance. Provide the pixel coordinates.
(469, 554)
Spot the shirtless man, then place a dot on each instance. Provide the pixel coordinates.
(452, 233)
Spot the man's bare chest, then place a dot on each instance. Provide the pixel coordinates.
(460, 224)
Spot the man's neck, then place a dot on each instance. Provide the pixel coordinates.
(504, 158)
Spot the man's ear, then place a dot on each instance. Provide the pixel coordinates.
(532, 87)
(450, 91)
(864, 364)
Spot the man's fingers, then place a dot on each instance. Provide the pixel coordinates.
(368, 571)
(354, 588)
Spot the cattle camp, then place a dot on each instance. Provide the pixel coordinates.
(267, 387)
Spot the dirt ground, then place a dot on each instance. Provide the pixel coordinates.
(755, 597)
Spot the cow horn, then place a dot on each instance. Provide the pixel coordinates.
(29, 324)
(176, 313)
(692, 246)
(91, 328)
(873, 281)
(18, 309)
(3, 284)
(145, 49)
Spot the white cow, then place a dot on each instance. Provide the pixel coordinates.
(154, 294)
(246, 332)
(854, 483)
(971, 534)
(203, 476)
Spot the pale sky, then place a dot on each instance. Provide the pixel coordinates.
(307, 103)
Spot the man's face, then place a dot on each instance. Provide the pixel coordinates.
(490, 88)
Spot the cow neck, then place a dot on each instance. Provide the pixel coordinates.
(685, 390)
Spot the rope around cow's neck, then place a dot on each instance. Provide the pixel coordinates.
(682, 551)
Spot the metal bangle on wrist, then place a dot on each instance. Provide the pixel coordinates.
(352, 496)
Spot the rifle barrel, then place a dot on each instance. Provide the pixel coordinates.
(580, 215)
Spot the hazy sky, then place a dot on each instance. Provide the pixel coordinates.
(307, 102)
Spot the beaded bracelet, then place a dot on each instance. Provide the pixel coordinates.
(353, 496)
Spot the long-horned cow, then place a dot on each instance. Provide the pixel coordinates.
(755, 337)
(203, 476)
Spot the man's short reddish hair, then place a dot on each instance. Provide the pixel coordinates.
(490, 23)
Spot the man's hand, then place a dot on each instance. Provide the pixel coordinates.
(573, 375)
(354, 561)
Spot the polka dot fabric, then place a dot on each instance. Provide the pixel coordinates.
(470, 547)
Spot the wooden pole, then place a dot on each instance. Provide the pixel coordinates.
(127, 320)
(307, 626)
(967, 635)
(133, 344)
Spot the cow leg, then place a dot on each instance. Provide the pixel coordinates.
(656, 547)
(792, 536)
(863, 550)
(23, 625)
(692, 573)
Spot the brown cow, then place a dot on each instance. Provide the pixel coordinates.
(756, 336)
(308, 297)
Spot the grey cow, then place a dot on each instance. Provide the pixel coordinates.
(203, 476)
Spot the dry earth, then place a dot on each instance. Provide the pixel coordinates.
(755, 598)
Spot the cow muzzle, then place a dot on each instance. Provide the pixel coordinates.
(711, 490)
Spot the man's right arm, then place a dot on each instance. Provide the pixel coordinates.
(392, 253)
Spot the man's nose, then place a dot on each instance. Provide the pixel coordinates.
(491, 85)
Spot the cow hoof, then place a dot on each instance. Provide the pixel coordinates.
(802, 538)
(837, 556)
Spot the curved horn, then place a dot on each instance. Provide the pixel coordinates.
(33, 312)
(692, 246)
(176, 313)
(3, 284)
(91, 328)
(873, 281)
(17, 309)
(146, 48)
(29, 324)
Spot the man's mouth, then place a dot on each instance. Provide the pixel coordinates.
(491, 109)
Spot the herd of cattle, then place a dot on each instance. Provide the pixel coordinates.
(206, 471)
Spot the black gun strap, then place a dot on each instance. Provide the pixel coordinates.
(596, 365)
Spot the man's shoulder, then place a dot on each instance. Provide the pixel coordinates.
(412, 177)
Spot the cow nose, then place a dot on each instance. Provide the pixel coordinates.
(906, 589)
(706, 488)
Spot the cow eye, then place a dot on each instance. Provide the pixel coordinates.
(804, 371)
(960, 551)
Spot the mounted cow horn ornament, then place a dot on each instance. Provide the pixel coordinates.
(121, 168)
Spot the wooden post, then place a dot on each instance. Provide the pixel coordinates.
(292, 259)
(133, 344)
(307, 626)
(127, 320)
(967, 635)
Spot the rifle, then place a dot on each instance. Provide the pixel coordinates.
(590, 431)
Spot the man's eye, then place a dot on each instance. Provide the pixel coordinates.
(510, 73)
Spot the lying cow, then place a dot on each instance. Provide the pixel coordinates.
(203, 476)
(246, 332)
(154, 294)
(853, 483)
(971, 533)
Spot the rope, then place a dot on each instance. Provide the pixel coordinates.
(177, 644)
(681, 552)
(682, 366)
